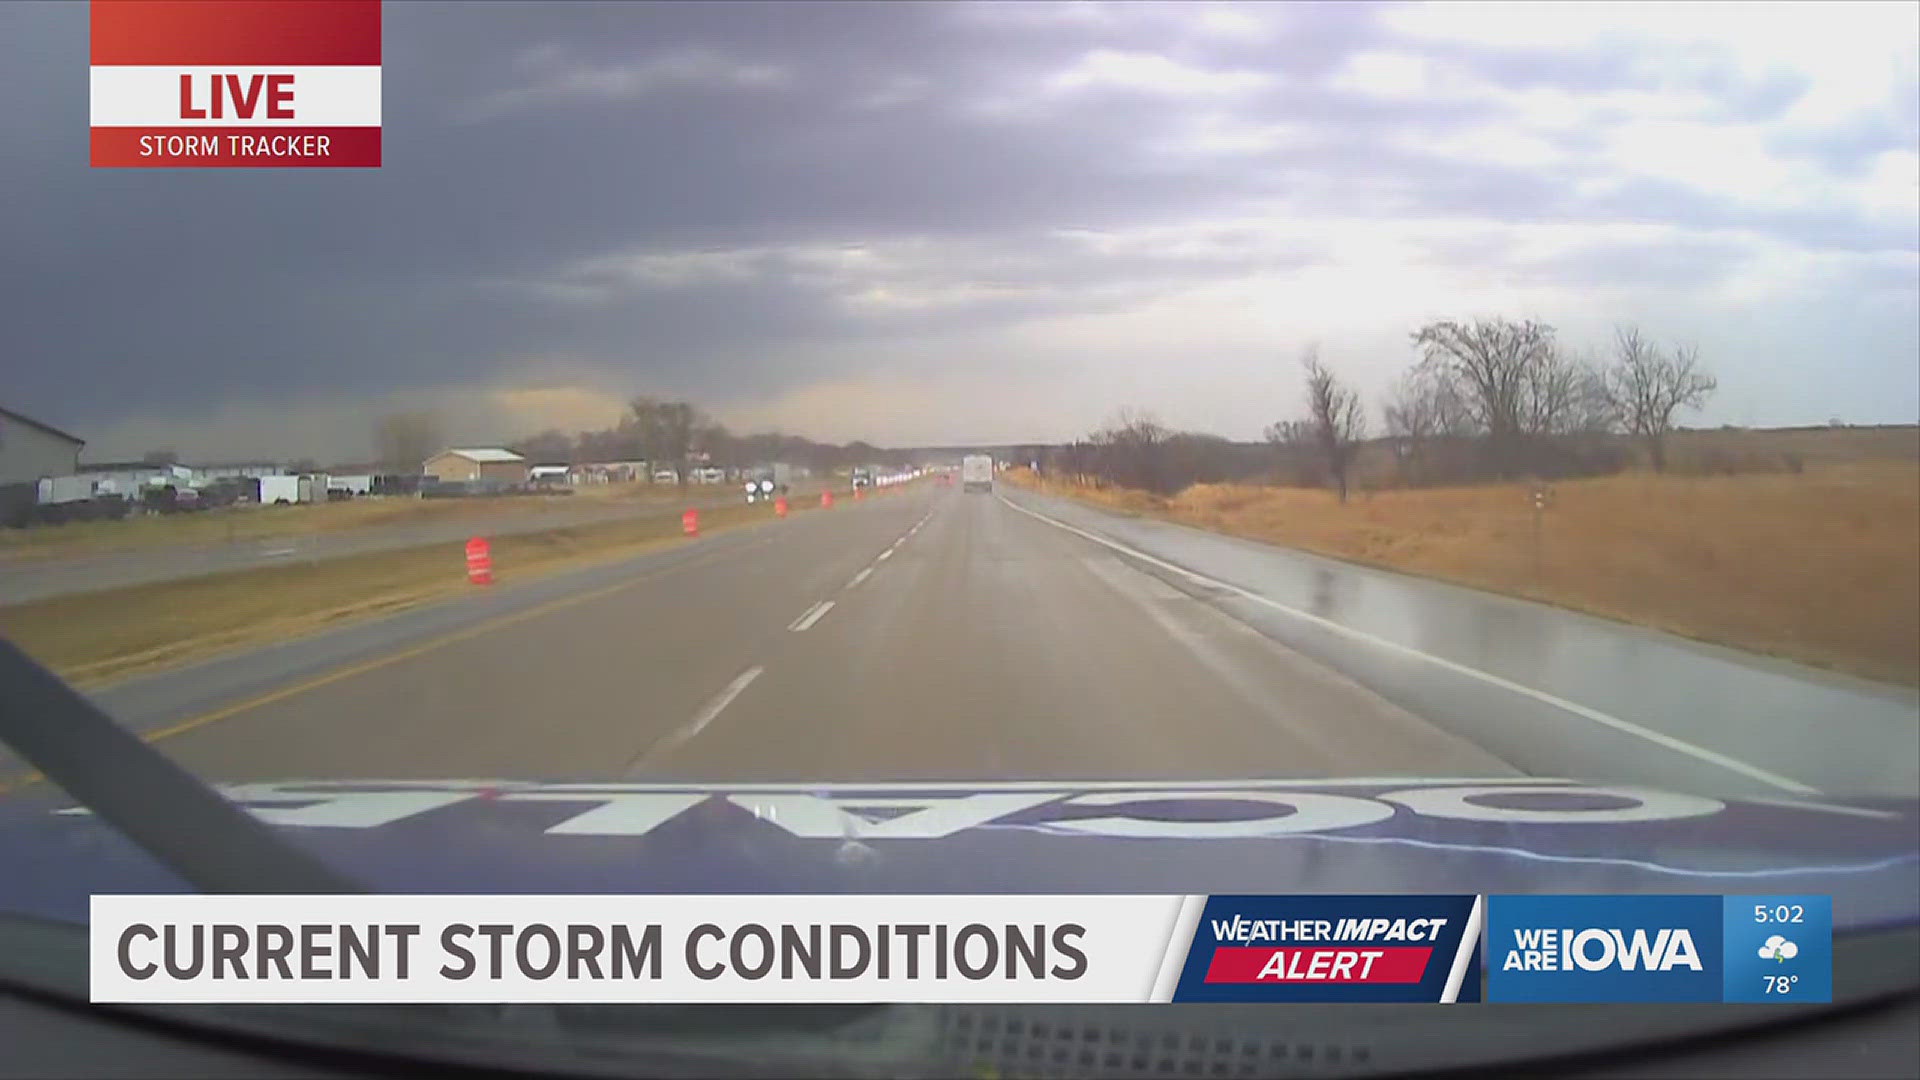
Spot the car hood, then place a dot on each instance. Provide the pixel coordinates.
(1381, 836)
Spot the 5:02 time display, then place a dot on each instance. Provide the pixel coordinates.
(1779, 913)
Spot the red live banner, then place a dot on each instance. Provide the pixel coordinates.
(1319, 964)
(235, 83)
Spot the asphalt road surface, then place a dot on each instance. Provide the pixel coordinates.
(911, 637)
(933, 634)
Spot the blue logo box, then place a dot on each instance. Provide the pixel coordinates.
(1660, 948)
(1604, 948)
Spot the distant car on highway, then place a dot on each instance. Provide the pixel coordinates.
(665, 476)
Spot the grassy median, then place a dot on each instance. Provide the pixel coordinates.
(94, 638)
(279, 522)
(1819, 566)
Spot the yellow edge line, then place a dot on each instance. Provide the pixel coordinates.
(453, 637)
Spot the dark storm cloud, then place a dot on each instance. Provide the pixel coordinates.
(538, 156)
(286, 282)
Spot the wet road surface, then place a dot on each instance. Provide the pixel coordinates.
(934, 634)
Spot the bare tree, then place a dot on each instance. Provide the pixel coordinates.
(1593, 409)
(1499, 364)
(1294, 457)
(1646, 386)
(721, 446)
(1425, 411)
(1335, 418)
(1429, 403)
(664, 431)
(1290, 434)
(404, 440)
(1131, 451)
(1565, 395)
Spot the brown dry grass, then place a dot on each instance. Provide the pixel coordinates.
(1822, 566)
(92, 638)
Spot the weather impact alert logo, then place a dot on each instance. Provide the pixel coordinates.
(1334, 948)
(1659, 948)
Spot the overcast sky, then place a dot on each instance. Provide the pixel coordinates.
(915, 223)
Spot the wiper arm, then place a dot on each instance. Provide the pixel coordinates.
(211, 843)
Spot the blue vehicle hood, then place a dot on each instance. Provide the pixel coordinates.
(1386, 836)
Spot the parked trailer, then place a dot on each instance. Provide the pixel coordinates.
(279, 489)
(53, 490)
(312, 488)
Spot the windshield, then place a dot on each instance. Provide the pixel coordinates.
(663, 447)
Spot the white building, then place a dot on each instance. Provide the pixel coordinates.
(30, 450)
(206, 474)
(487, 463)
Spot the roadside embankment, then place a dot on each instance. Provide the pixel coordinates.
(1817, 566)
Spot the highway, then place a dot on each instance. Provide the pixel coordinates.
(930, 634)
(26, 577)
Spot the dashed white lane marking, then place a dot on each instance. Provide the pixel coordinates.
(795, 624)
(885, 555)
(277, 552)
(1659, 738)
(814, 614)
(714, 706)
(860, 577)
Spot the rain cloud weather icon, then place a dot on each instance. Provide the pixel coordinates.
(1779, 949)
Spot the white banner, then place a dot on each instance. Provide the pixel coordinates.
(327, 95)
(623, 949)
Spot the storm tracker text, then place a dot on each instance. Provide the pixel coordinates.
(239, 145)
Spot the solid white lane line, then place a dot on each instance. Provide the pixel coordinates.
(1659, 738)
(814, 616)
(714, 706)
(859, 577)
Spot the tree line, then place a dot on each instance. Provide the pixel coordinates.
(1489, 398)
(662, 432)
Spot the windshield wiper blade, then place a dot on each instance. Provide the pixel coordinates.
(214, 845)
